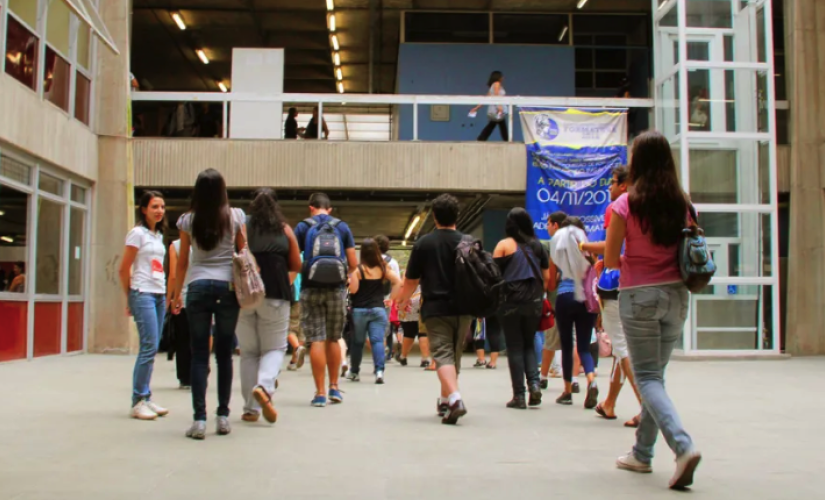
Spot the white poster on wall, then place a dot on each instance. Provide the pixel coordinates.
(257, 71)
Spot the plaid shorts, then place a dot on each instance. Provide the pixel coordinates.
(323, 314)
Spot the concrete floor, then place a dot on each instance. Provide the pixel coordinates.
(65, 434)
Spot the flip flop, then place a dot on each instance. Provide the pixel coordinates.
(633, 423)
(603, 413)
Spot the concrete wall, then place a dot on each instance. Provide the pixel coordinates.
(45, 131)
(463, 69)
(346, 165)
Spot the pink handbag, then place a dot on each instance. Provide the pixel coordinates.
(591, 296)
(605, 345)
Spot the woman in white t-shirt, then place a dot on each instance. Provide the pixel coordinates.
(212, 230)
(496, 113)
(144, 282)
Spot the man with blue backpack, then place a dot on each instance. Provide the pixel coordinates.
(329, 257)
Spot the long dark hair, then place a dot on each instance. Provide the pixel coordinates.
(265, 212)
(371, 255)
(211, 217)
(145, 200)
(495, 76)
(519, 226)
(655, 195)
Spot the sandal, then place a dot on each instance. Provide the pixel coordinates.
(491, 367)
(600, 411)
(634, 422)
(480, 364)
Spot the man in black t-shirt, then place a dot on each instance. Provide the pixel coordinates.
(432, 263)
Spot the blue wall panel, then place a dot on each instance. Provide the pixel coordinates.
(463, 69)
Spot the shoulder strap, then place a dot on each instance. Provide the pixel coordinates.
(536, 270)
(310, 222)
(361, 270)
(333, 222)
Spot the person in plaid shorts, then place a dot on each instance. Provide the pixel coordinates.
(324, 308)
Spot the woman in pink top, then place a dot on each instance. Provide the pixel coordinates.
(653, 300)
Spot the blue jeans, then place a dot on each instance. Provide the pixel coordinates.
(207, 299)
(572, 314)
(373, 322)
(653, 318)
(148, 309)
(538, 345)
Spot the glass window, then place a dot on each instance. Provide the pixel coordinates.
(436, 27)
(611, 59)
(14, 229)
(21, 53)
(49, 243)
(584, 58)
(78, 194)
(56, 79)
(613, 30)
(713, 176)
(25, 10)
(709, 14)
(58, 22)
(51, 184)
(546, 29)
(15, 170)
(77, 239)
(82, 98)
(609, 80)
(780, 80)
(782, 132)
(84, 45)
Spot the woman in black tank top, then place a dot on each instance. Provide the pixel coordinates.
(366, 288)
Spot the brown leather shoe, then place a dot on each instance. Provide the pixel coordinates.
(455, 411)
(263, 398)
(250, 417)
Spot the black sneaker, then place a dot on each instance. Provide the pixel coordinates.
(403, 361)
(517, 403)
(454, 412)
(425, 363)
(592, 398)
(544, 384)
(441, 409)
(565, 399)
(576, 388)
(535, 395)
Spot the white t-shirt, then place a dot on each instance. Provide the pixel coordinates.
(147, 270)
(215, 264)
(393, 265)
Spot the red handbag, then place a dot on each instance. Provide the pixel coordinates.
(548, 316)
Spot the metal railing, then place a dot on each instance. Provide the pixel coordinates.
(391, 99)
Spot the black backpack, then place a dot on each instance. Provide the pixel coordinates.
(479, 285)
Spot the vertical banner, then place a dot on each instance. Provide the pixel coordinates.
(571, 154)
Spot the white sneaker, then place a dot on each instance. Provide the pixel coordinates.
(142, 411)
(292, 367)
(379, 377)
(161, 411)
(685, 467)
(301, 354)
(197, 430)
(629, 462)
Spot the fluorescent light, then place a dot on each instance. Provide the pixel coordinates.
(335, 42)
(339, 74)
(7, 239)
(404, 243)
(330, 5)
(412, 226)
(178, 20)
(222, 86)
(563, 32)
(336, 57)
(2, 213)
(581, 4)
(332, 22)
(340, 87)
(202, 56)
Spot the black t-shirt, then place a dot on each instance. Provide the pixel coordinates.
(433, 262)
(271, 251)
(291, 128)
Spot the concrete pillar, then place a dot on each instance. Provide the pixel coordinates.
(806, 259)
(114, 192)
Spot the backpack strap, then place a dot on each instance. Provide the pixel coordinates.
(310, 222)
(361, 270)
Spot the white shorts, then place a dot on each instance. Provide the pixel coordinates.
(612, 324)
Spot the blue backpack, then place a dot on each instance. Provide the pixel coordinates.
(324, 262)
(695, 262)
